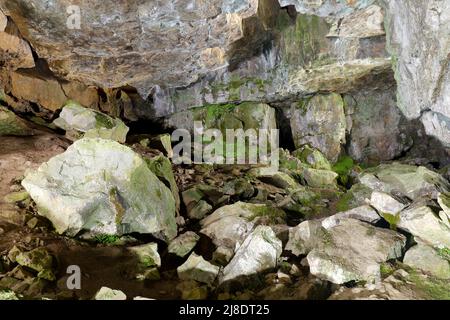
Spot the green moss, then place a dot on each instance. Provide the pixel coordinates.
(444, 253)
(433, 288)
(386, 269)
(106, 238)
(344, 203)
(343, 168)
(393, 220)
(273, 214)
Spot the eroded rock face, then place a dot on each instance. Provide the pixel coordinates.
(320, 122)
(148, 38)
(415, 29)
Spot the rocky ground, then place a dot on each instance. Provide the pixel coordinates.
(358, 208)
(311, 230)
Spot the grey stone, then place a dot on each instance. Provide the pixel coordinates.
(103, 187)
(427, 259)
(198, 269)
(259, 252)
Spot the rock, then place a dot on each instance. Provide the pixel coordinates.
(147, 255)
(279, 179)
(444, 202)
(192, 290)
(401, 285)
(183, 244)
(303, 238)
(423, 224)
(353, 251)
(195, 39)
(409, 181)
(10, 124)
(98, 185)
(14, 50)
(320, 178)
(355, 197)
(427, 259)
(310, 288)
(200, 210)
(385, 203)
(320, 122)
(363, 213)
(8, 295)
(377, 130)
(40, 260)
(258, 253)
(223, 255)
(162, 142)
(16, 197)
(42, 90)
(3, 21)
(198, 269)
(81, 122)
(106, 293)
(228, 226)
(162, 168)
(423, 86)
(239, 187)
(312, 157)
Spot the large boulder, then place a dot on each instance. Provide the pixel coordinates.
(418, 40)
(79, 121)
(258, 253)
(428, 259)
(103, 187)
(229, 226)
(320, 122)
(353, 251)
(424, 224)
(405, 180)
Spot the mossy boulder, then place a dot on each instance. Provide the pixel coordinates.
(39, 260)
(102, 187)
(12, 125)
(80, 122)
(320, 123)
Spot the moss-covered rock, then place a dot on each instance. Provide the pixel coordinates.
(40, 260)
(12, 125)
(81, 122)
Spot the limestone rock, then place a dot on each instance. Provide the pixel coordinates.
(353, 251)
(99, 185)
(10, 124)
(90, 124)
(183, 244)
(39, 260)
(319, 178)
(312, 157)
(304, 237)
(147, 255)
(363, 213)
(228, 226)
(427, 259)
(106, 293)
(162, 168)
(15, 52)
(320, 122)
(423, 84)
(410, 181)
(7, 295)
(258, 253)
(198, 269)
(423, 223)
(385, 203)
(183, 40)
